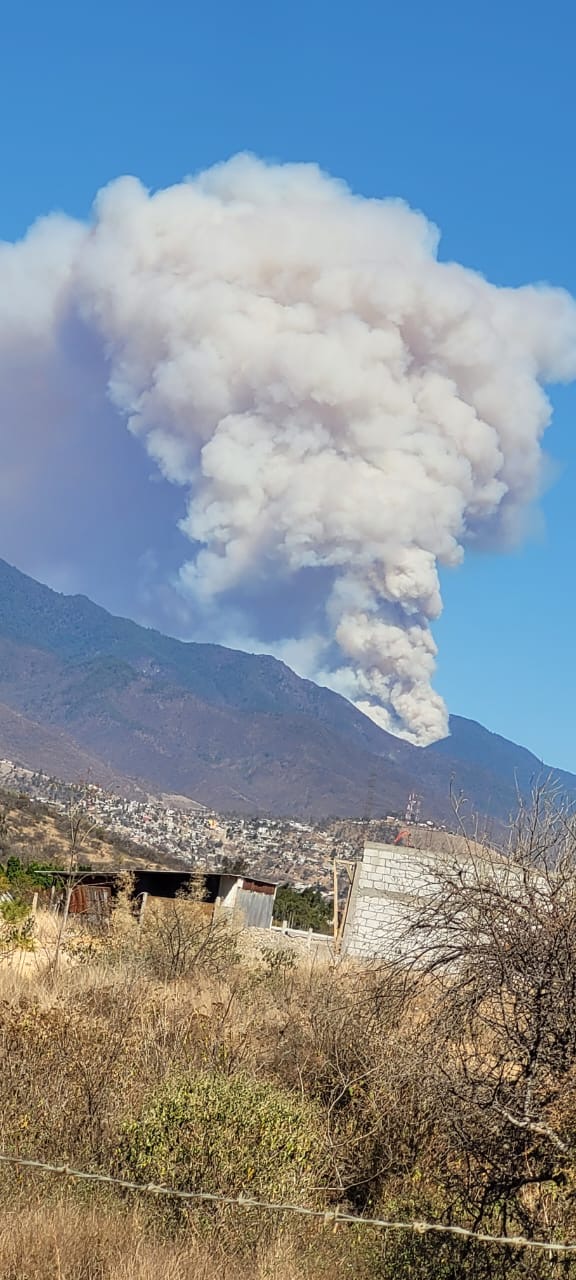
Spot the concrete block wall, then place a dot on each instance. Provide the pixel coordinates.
(389, 884)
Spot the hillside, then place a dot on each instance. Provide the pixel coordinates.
(25, 740)
(233, 730)
(37, 832)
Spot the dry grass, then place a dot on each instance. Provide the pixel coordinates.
(78, 1059)
(38, 833)
(85, 1052)
(67, 1241)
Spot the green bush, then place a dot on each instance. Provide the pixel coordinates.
(303, 909)
(227, 1134)
(16, 926)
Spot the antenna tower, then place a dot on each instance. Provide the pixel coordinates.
(413, 807)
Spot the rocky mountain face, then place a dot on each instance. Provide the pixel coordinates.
(82, 690)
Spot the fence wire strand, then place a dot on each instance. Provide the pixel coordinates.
(330, 1217)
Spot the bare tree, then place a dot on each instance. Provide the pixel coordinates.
(80, 824)
(494, 944)
(179, 937)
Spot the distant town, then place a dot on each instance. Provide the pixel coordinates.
(283, 849)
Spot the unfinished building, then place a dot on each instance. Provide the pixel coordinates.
(391, 881)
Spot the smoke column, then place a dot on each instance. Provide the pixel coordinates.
(341, 410)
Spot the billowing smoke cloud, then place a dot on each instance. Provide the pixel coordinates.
(342, 412)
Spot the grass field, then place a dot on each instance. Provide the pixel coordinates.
(181, 1053)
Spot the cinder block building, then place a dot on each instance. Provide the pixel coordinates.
(384, 886)
(389, 884)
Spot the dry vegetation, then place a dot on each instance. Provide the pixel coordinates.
(444, 1093)
(38, 832)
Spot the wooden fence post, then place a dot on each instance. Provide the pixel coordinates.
(335, 909)
(143, 902)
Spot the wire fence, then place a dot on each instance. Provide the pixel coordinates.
(330, 1217)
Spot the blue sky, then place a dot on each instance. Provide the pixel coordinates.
(465, 111)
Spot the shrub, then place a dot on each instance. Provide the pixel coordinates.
(16, 926)
(179, 939)
(303, 909)
(227, 1134)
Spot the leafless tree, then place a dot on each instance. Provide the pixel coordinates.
(493, 941)
(179, 937)
(81, 825)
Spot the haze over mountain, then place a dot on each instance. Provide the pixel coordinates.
(81, 690)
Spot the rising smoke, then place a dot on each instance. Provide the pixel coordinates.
(339, 407)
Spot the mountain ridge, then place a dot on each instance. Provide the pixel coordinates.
(230, 729)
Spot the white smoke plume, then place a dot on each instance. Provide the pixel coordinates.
(333, 399)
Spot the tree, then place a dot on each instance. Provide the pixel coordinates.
(81, 825)
(303, 909)
(19, 882)
(5, 833)
(494, 945)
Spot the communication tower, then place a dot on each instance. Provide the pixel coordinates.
(413, 807)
